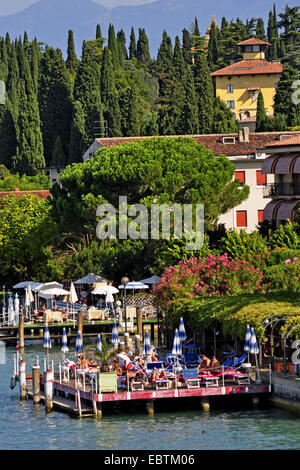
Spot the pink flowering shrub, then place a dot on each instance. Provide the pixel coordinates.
(207, 277)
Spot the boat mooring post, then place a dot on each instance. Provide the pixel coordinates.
(22, 379)
(126, 340)
(21, 330)
(36, 383)
(137, 344)
(49, 391)
(150, 407)
(139, 321)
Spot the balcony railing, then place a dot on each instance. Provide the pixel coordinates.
(282, 189)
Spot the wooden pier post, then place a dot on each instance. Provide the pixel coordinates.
(98, 410)
(80, 322)
(139, 323)
(48, 384)
(21, 330)
(22, 379)
(150, 407)
(36, 384)
(205, 405)
(126, 340)
(137, 344)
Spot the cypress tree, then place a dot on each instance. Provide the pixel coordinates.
(213, 48)
(132, 45)
(205, 92)
(98, 32)
(34, 64)
(55, 100)
(111, 109)
(121, 42)
(87, 92)
(113, 46)
(72, 61)
(261, 116)
(142, 48)
(58, 156)
(260, 29)
(165, 53)
(190, 118)
(178, 61)
(78, 140)
(29, 156)
(186, 46)
(224, 122)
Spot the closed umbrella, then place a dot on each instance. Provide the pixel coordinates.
(10, 308)
(73, 298)
(181, 330)
(47, 341)
(254, 347)
(147, 345)
(79, 344)
(16, 307)
(64, 342)
(247, 340)
(115, 335)
(99, 344)
(176, 350)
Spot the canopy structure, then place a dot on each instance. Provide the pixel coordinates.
(151, 280)
(90, 278)
(52, 291)
(25, 284)
(134, 285)
(48, 285)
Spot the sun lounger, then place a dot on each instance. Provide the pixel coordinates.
(190, 377)
(210, 380)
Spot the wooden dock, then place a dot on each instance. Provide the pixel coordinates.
(84, 402)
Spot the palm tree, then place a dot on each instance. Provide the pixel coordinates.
(105, 356)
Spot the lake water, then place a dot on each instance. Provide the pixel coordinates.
(27, 427)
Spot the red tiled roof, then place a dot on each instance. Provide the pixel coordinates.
(293, 140)
(213, 142)
(252, 41)
(250, 67)
(41, 193)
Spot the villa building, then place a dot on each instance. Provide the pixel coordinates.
(248, 152)
(238, 84)
(283, 164)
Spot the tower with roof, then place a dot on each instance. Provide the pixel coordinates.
(238, 84)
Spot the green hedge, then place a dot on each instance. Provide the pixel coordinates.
(234, 313)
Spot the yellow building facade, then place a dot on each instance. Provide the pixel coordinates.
(238, 84)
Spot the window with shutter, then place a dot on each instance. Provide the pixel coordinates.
(241, 218)
(260, 216)
(240, 175)
(260, 178)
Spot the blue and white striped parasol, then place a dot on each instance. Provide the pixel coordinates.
(47, 339)
(146, 345)
(176, 350)
(181, 330)
(99, 344)
(247, 339)
(78, 345)
(253, 343)
(115, 335)
(64, 342)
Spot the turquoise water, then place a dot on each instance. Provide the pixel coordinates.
(27, 427)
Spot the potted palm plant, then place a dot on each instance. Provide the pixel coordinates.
(107, 379)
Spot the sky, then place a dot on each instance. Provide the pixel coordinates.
(13, 6)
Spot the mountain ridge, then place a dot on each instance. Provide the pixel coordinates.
(50, 20)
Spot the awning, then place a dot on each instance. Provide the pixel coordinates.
(254, 88)
(280, 209)
(285, 211)
(269, 164)
(283, 165)
(271, 208)
(295, 167)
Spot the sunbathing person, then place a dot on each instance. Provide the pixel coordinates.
(205, 361)
(117, 368)
(214, 362)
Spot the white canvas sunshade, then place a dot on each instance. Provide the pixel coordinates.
(90, 278)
